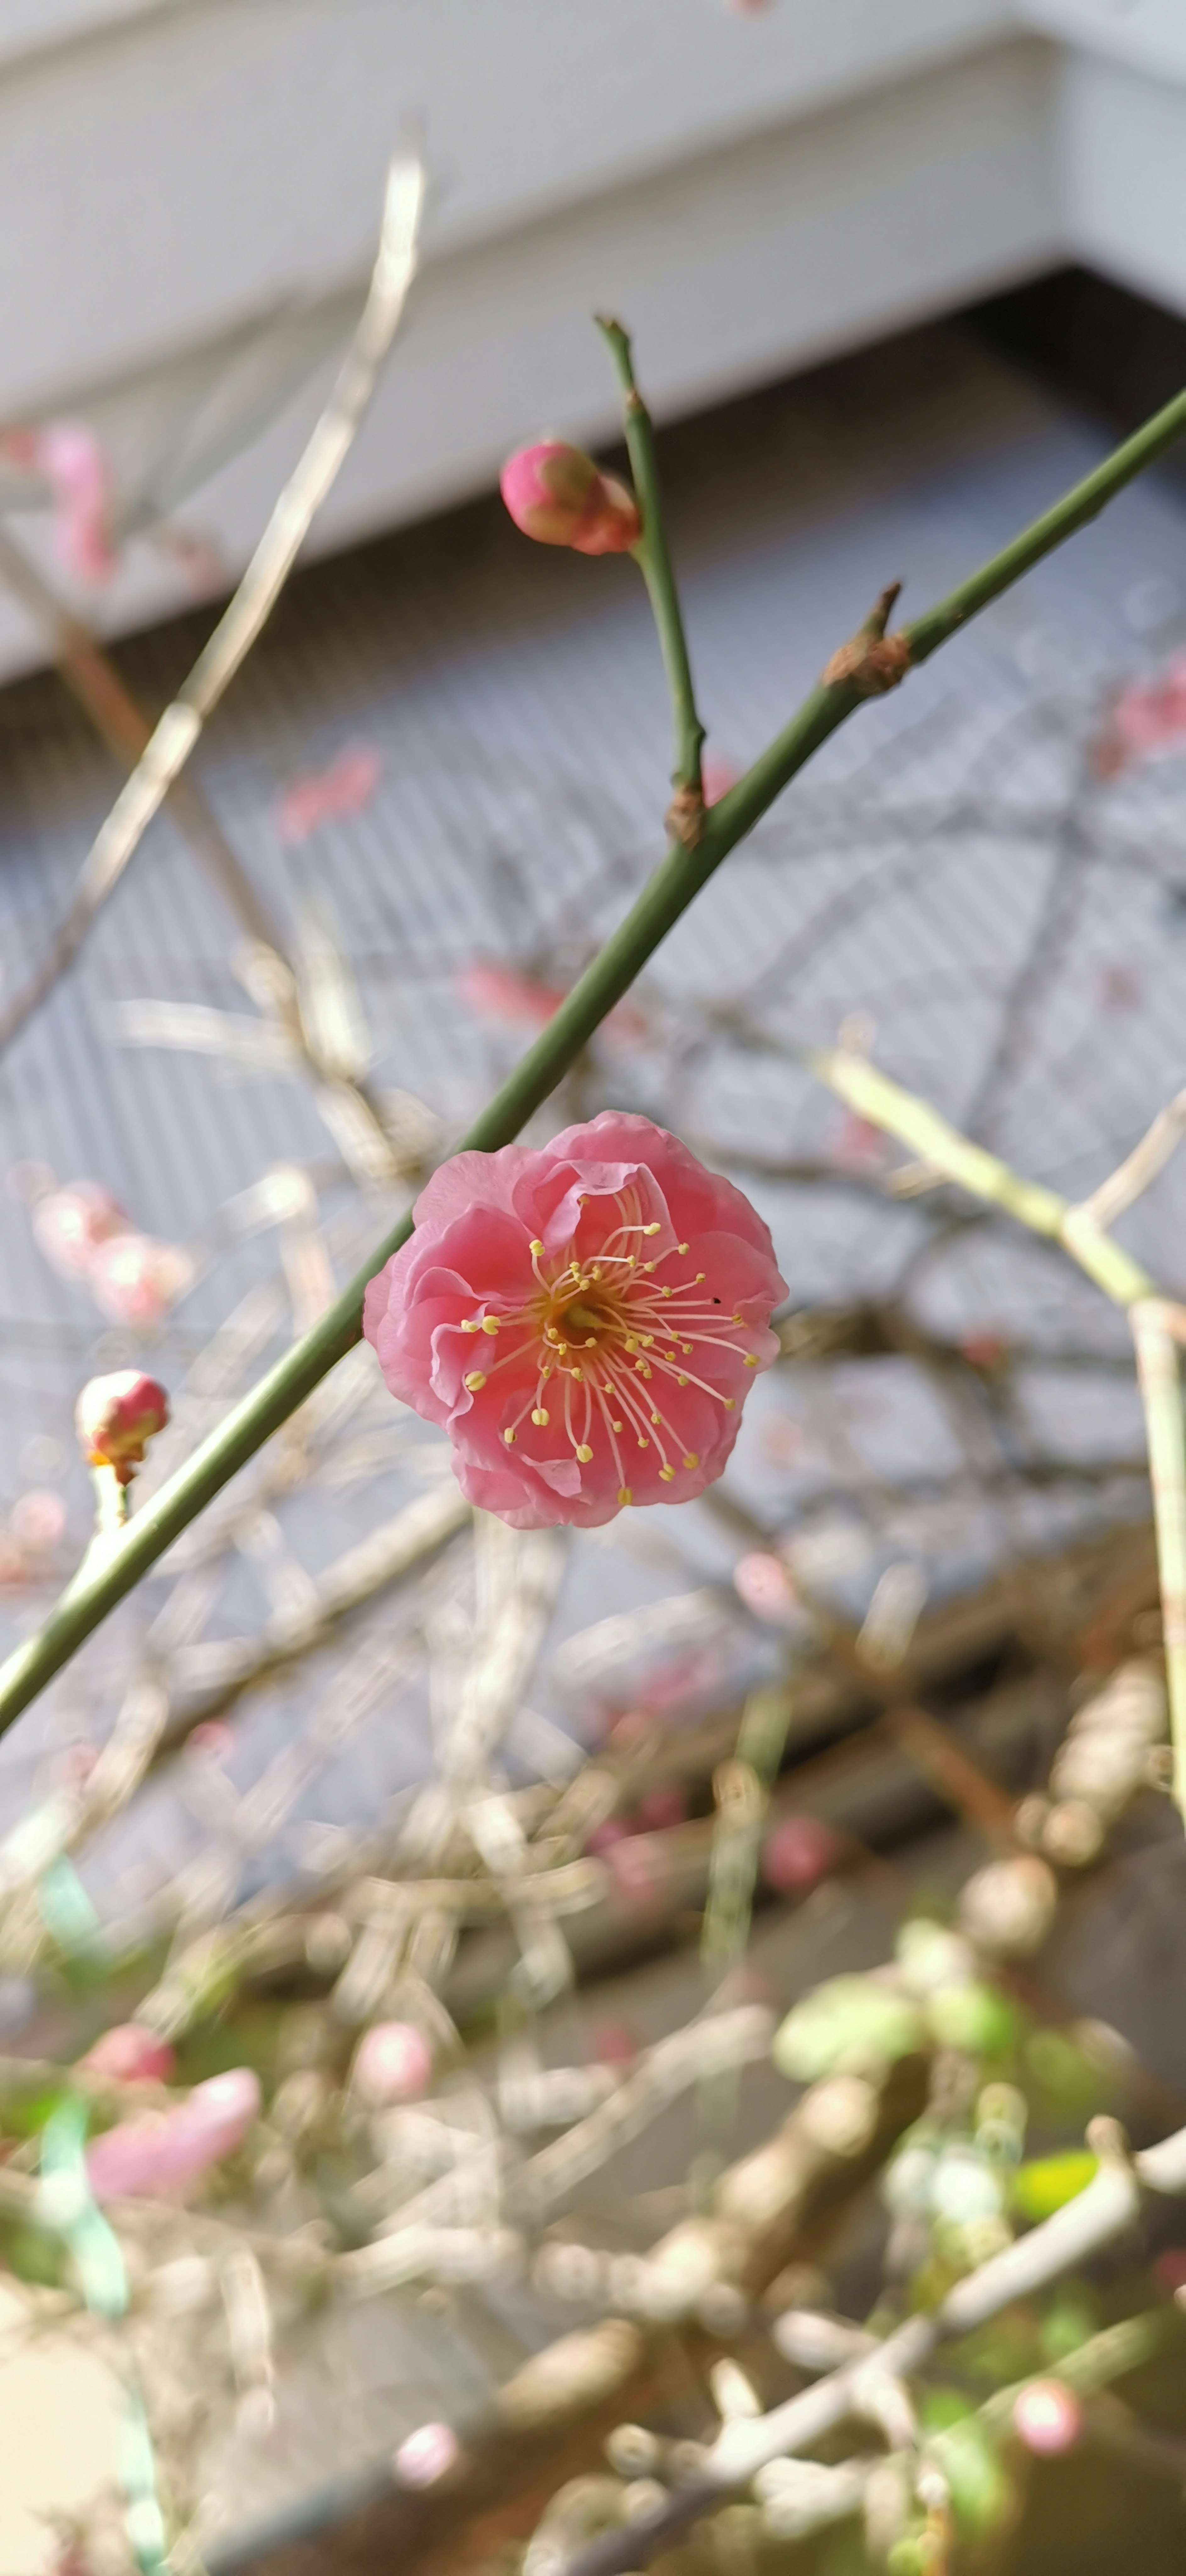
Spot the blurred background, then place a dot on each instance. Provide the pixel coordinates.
(897, 276)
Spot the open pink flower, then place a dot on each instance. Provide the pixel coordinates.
(556, 494)
(583, 1320)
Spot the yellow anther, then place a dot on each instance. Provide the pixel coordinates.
(701, 1275)
(729, 1404)
(666, 1475)
(577, 1373)
(750, 1360)
(653, 1228)
(474, 1380)
(574, 1269)
(656, 1418)
(624, 1494)
(735, 1319)
(648, 1266)
(536, 1247)
(647, 1340)
(509, 1438)
(490, 1323)
(683, 1247)
(631, 1342)
(540, 1416)
(615, 1426)
(665, 1292)
(692, 1459)
(469, 1326)
(681, 1381)
(584, 1453)
(591, 1344)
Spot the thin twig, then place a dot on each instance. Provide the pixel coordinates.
(1161, 1395)
(178, 729)
(1140, 1168)
(652, 553)
(673, 887)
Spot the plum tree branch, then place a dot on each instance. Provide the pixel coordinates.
(677, 880)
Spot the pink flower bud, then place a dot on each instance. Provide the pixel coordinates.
(797, 1854)
(136, 1281)
(74, 462)
(426, 2454)
(130, 2054)
(116, 1416)
(1047, 2417)
(164, 2154)
(557, 494)
(70, 1224)
(393, 2064)
(762, 1582)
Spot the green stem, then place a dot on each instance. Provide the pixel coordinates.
(654, 559)
(676, 881)
(1161, 1396)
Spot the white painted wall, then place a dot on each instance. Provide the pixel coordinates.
(189, 190)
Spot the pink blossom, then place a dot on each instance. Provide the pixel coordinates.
(661, 1808)
(70, 1224)
(858, 1144)
(502, 993)
(344, 786)
(797, 1854)
(612, 2043)
(75, 465)
(1047, 2417)
(557, 494)
(1147, 718)
(131, 2054)
(762, 1582)
(135, 1280)
(583, 1320)
(115, 1417)
(161, 2155)
(638, 1872)
(393, 2064)
(426, 2454)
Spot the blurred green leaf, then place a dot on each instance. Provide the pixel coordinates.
(1048, 2182)
(850, 2023)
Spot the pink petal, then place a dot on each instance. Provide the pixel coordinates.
(345, 786)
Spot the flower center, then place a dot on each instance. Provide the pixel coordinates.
(607, 1337)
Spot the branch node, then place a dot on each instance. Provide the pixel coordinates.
(872, 661)
(684, 819)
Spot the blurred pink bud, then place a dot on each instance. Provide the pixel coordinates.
(393, 2063)
(612, 2043)
(212, 1741)
(604, 1836)
(557, 494)
(502, 993)
(797, 1854)
(344, 786)
(762, 1582)
(74, 463)
(858, 1143)
(426, 2454)
(638, 1872)
(136, 1281)
(660, 1808)
(116, 1416)
(1148, 718)
(984, 1350)
(37, 1521)
(70, 1224)
(164, 2154)
(717, 776)
(130, 2054)
(1047, 2417)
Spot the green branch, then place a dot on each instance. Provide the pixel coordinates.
(677, 880)
(654, 559)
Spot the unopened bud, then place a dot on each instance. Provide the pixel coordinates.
(1047, 2417)
(557, 495)
(115, 1417)
(393, 2063)
(131, 2054)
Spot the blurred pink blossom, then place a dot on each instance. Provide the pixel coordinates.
(393, 2064)
(345, 786)
(75, 464)
(135, 1280)
(762, 1582)
(556, 494)
(425, 2455)
(37, 1522)
(70, 1224)
(130, 2054)
(1147, 718)
(1047, 2417)
(534, 1315)
(502, 993)
(162, 2155)
(798, 1853)
(858, 1145)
